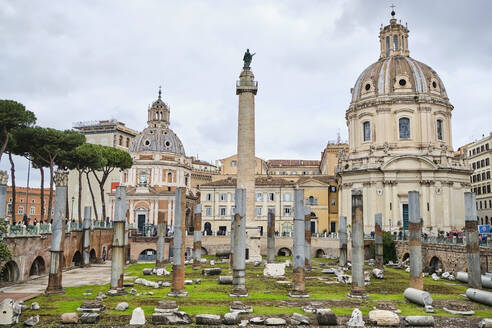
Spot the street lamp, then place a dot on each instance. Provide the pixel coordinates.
(73, 199)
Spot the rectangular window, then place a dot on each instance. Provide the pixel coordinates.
(208, 211)
(333, 202)
(233, 197)
(33, 210)
(222, 211)
(487, 161)
(271, 210)
(474, 166)
(439, 129)
(367, 131)
(488, 175)
(223, 197)
(488, 189)
(20, 210)
(9, 208)
(258, 211)
(287, 197)
(271, 197)
(209, 196)
(287, 211)
(233, 163)
(487, 146)
(233, 210)
(259, 196)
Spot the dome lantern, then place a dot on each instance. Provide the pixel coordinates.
(394, 39)
(158, 113)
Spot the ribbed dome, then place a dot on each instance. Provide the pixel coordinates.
(157, 139)
(397, 75)
(158, 136)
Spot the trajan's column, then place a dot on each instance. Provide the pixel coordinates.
(246, 88)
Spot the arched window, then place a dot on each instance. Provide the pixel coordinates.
(404, 126)
(127, 142)
(121, 140)
(402, 42)
(367, 131)
(388, 46)
(395, 42)
(439, 129)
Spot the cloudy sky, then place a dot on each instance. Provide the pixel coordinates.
(71, 61)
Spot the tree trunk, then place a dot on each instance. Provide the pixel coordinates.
(101, 188)
(92, 195)
(5, 141)
(41, 172)
(12, 177)
(79, 205)
(50, 199)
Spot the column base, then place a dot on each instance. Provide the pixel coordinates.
(239, 293)
(178, 294)
(52, 291)
(117, 292)
(297, 294)
(354, 293)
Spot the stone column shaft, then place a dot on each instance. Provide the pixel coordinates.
(307, 237)
(197, 237)
(358, 286)
(177, 287)
(472, 245)
(161, 233)
(415, 240)
(298, 283)
(271, 238)
(378, 240)
(246, 89)
(239, 261)
(118, 247)
(342, 235)
(233, 234)
(87, 236)
(58, 234)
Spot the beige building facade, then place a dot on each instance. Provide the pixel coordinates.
(111, 133)
(400, 139)
(271, 194)
(479, 155)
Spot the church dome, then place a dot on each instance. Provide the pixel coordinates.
(158, 136)
(158, 140)
(396, 73)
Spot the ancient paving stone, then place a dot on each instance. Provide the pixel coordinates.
(121, 306)
(89, 318)
(208, 319)
(231, 318)
(240, 307)
(326, 317)
(384, 318)
(299, 319)
(32, 321)
(275, 322)
(211, 271)
(70, 317)
(174, 318)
